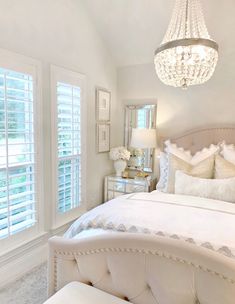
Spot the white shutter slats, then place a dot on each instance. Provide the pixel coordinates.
(17, 155)
(4, 210)
(69, 146)
(27, 223)
(16, 186)
(18, 196)
(13, 166)
(22, 174)
(16, 217)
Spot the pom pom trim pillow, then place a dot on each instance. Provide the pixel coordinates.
(187, 156)
(204, 169)
(218, 189)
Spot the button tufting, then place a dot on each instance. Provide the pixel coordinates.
(89, 283)
(126, 299)
(108, 271)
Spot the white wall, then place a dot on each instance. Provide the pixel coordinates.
(61, 32)
(212, 103)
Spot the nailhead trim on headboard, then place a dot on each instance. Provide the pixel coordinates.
(131, 250)
(197, 139)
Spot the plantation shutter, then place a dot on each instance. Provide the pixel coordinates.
(17, 153)
(69, 146)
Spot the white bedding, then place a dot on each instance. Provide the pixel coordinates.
(203, 222)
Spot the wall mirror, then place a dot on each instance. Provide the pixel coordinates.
(140, 117)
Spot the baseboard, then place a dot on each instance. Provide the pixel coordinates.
(23, 259)
(23, 264)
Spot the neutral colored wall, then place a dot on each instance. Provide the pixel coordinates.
(60, 32)
(212, 103)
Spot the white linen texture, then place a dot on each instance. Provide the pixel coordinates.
(218, 189)
(181, 217)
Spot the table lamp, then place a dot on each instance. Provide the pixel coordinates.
(143, 139)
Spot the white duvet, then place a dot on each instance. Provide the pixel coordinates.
(203, 222)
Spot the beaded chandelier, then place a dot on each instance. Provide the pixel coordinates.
(187, 55)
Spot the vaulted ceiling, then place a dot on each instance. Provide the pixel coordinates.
(132, 29)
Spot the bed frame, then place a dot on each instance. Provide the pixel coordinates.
(197, 139)
(146, 269)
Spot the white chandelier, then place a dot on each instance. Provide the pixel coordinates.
(187, 55)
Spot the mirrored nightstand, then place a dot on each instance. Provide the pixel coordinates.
(115, 186)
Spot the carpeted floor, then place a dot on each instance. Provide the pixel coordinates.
(30, 289)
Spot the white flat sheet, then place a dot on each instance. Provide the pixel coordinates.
(203, 222)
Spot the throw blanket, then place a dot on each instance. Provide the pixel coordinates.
(203, 222)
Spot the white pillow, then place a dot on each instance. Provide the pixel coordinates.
(163, 165)
(228, 152)
(187, 155)
(178, 151)
(223, 168)
(182, 154)
(204, 169)
(218, 189)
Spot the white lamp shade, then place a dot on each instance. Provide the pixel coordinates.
(143, 138)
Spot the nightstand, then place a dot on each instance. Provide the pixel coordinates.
(115, 186)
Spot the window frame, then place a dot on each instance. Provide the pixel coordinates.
(59, 74)
(27, 65)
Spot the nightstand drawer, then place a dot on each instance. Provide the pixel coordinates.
(116, 186)
(135, 188)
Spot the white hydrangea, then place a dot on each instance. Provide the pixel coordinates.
(119, 153)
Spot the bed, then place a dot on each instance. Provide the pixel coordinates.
(156, 247)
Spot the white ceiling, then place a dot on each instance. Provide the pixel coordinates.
(132, 29)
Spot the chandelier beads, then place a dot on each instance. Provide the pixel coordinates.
(187, 55)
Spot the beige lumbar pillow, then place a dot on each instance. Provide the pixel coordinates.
(218, 189)
(223, 168)
(204, 169)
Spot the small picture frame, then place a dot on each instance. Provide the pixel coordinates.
(103, 137)
(103, 102)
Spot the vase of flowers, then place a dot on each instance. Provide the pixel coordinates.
(120, 156)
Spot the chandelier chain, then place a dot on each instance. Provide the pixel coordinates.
(187, 24)
(187, 21)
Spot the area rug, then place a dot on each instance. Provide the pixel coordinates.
(30, 289)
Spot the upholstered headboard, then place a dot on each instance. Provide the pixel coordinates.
(195, 140)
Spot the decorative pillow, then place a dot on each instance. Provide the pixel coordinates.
(163, 164)
(223, 168)
(218, 189)
(178, 151)
(204, 169)
(187, 155)
(228, 152)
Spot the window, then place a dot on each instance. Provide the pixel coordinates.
(18, 198)
(69, 146)
(68, 88)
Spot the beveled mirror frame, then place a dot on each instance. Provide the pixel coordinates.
(148, 167)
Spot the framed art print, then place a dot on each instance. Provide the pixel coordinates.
(103, 101)
(103, 137)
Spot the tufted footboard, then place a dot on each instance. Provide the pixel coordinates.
(143, 269)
